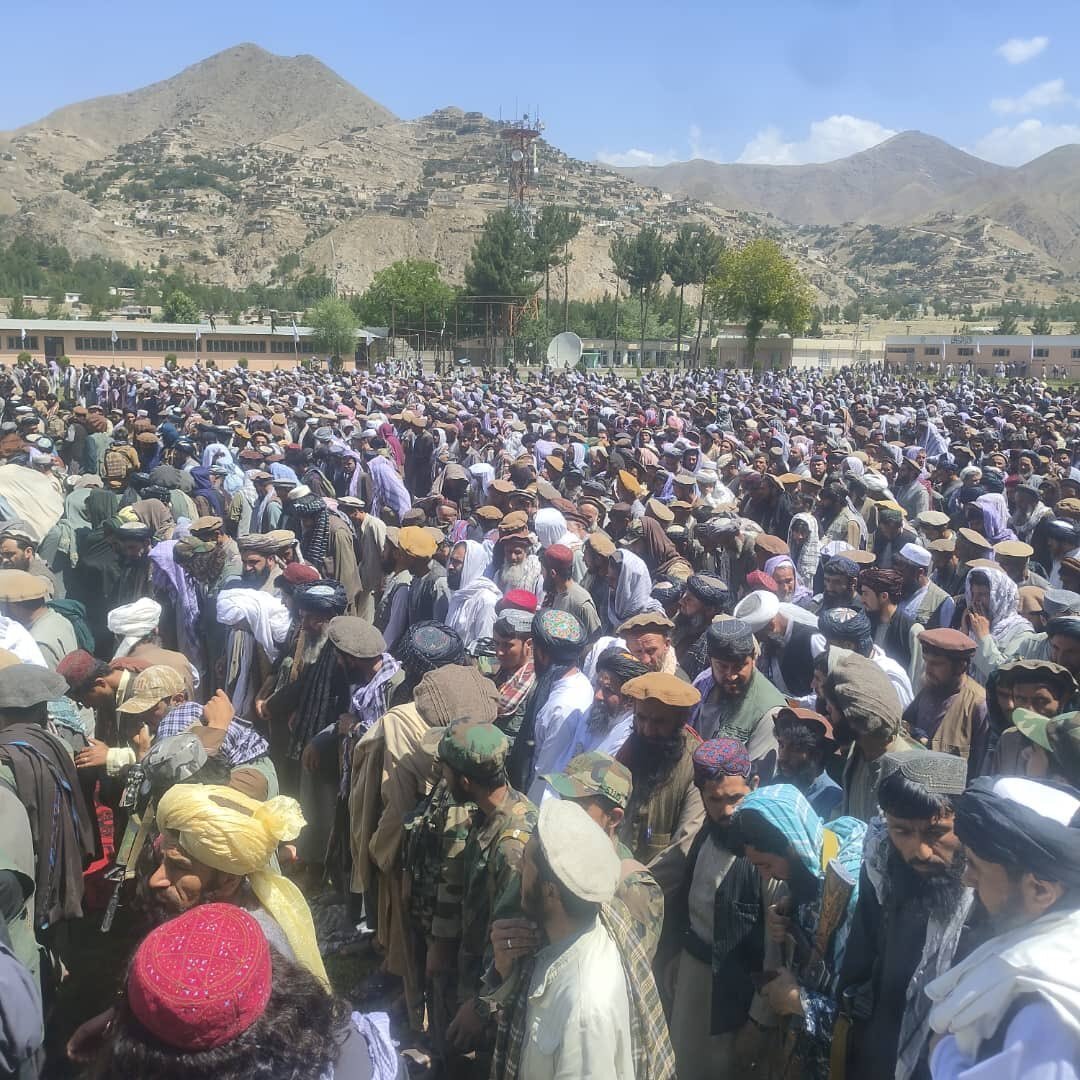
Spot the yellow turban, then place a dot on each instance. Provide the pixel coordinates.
(230, 832)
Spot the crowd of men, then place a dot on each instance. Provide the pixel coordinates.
(691, 727)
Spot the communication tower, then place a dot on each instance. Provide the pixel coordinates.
(520, 137)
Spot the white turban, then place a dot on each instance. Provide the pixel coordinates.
(133, 622)
(266, 616)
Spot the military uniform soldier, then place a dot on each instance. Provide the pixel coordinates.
(473, 760)
(602, 786)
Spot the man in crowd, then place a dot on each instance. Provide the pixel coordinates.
(1009, 1007)
(804, 745)
(911, 914)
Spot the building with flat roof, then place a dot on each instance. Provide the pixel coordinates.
(146, 344)
(1020, 355)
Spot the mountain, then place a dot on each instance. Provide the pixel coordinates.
(896, 181)
(244, 94)
(249, 166)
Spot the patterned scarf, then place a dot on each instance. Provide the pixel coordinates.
(512, 692)
(316, 541)
(654, 1059)
(369, 704)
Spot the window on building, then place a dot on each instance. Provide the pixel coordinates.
(932, 350)
(903, 350)
(1001, 352)
(965, 350)
(16, 342)
(1042, 354)
(1076, 354)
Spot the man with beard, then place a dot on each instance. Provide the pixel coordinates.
(261, 570)
(880, 591)
(133, 549)
(327, 544)
(786, 658)
(648, 640)
(838, 519)
(704, 598)
(561, 699)
(606, 726)
(840, 582)
(565, 594)
(735, 695)
(473, 758)
(586, 1003)
(203, 565)
(921, 600)
(949, 711)
(665, 809)
(471, 611)
(721, 893)
(429, 593)
(595, 552)
(370, 539)
(516, 677)
(515, 565)
(304, 714)
(804, 743)
(211, 530)
(1010, 1008)
(908, 921)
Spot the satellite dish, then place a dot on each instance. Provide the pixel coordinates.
(517, 155)
(564, 351)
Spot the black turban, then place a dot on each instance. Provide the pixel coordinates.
(998, 827)
(620, 664)
(323, 597)
(841, 565)
(431, 645)
(880, 581)
(711, 591)
(845, 624)
(730, 639)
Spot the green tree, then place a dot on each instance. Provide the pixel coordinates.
(815, 330)
(335, 327)
(19, 309)
(647, 256)
(553, 229)
(759, 284)
(498, 275)
(1007, 324)
(1041, 325)
(178, 307)
(407, 293)
(1075, 327)
(681, 268)
(708, 253)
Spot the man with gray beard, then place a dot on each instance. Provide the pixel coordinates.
(912, 913)
(514, 564)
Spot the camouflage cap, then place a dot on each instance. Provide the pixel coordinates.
(478, 751)
(593, 773)
(174, 759)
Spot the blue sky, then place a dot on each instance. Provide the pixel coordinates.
(631, 82)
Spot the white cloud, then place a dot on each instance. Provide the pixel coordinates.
(634, 157)
(1043, 96)
(1021, 142)
(1021, 50)
(834, 137)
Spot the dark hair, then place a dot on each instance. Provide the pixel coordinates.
(908, 799)
(803, 737)
(577, 909)
(298, 1036)
(758, 832)
(35, 715)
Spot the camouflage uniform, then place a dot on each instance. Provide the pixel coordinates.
(491, 862)
(593, 774)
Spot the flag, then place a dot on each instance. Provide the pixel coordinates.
(1032, 348)
(22, 335)
(295, 332)
(197, 335)
(978, 347)
(115, 338)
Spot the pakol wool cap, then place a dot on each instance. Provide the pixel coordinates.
(578, 851)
